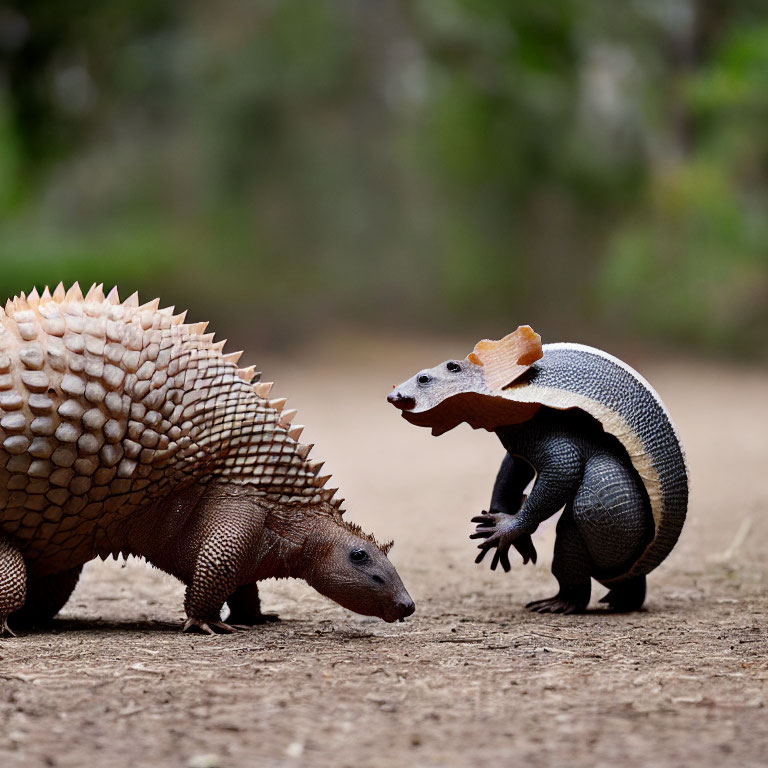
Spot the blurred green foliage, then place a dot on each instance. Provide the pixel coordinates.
(591, 167)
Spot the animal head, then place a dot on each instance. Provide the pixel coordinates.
(464, 390)
(353, 570)
(431, 386)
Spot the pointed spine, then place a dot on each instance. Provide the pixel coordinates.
(95, 293)
(263, 388)
(303, 450)
(247, 374)
(59, 293)
(74, 293)
(152, 306)
(113, 297)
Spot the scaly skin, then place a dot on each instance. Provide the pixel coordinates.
(124, 430)
(606, 522)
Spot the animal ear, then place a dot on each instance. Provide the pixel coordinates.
(505, 360)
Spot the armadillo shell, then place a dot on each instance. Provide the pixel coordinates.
(577, 376)
(105, 407)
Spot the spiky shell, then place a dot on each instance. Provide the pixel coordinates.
(107, 405)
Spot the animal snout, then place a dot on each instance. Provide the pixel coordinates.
(406, 607)
(401, 401)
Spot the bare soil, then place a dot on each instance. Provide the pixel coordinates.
(472, 677)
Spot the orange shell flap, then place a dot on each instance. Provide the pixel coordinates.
(507, 359)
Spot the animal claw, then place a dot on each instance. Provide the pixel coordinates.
(208, 627)
(5, 630)
(556, 604)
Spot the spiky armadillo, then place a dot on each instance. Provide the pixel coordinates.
(125, 430)
(600, 443)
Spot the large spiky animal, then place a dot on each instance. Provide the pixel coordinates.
(125, 430)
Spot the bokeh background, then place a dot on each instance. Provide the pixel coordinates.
(295, 168)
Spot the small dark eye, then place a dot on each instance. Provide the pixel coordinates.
(358, 555)
(453, 366)
(423, 378)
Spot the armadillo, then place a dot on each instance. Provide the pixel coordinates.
(599, 442)
(126, 431)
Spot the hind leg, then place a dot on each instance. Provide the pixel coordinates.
(46, 596)
(13, 583)
(616, 525)
(245, 607)
(572, 567)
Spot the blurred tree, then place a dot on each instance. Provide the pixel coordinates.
(692, 261)
(585, 165)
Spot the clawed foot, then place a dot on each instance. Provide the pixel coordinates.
(208, 627)
(556, 604)
(5, 630)
(501, 531)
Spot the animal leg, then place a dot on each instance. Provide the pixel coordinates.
(507, 496)
(13, 583)
(46, 596)
(216, 575)
(571, 566)
(612, 515)
(559, 476)
(245, 607)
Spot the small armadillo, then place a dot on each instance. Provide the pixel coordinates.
(124, 430)
(600, 443)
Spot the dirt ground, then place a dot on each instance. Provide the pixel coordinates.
(472, 677)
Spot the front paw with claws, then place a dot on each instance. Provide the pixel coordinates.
(501, 531)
